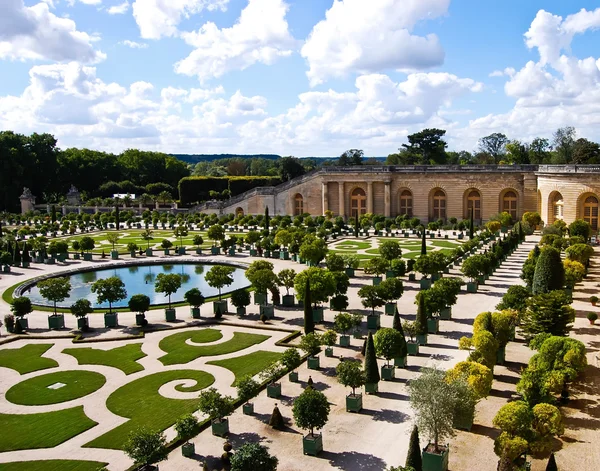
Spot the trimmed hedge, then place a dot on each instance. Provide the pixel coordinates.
(196, 189)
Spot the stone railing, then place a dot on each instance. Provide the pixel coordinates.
(430, 169)
(568, 169)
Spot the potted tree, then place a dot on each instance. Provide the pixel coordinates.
(286, 279)
(474, 267)
(412, 346)
(87, 245)
(216, 233)
(390, 291)
(110, 290)
(263, 280)
(166, 244)
(132, 247)
(198, 240)
(76, 248)
(185, 428)
(218, 277)
(343, 323)
(147, 236)
(290, 359)
(253, 456)
(271, 374)
(146, 447)
(594, 300)
(351, 262)
(443, 295)
(55, 290)
(217, 407)
(180, 232)
(311, 344)
(247, 388)
(259, 297)
(592, 317)
(251, 239)
(421, 324)
(168, 284)
(388, 345)
(240, 298)
(311, 411)
(139, 303)
(20, 307)
(322, 286)
(350, 374)
(371, 369)
(376, 266)
(390, 250)
(400, 360)
(80, 309)
(195, 299)
(329, 339)
(371, 298)
(112, 239)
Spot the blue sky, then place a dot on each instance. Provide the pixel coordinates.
(310, 77)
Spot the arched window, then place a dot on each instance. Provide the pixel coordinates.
(590, 211)
(239, 212)
(558, 206)
(439, 205)
(474, 204)
(298, 205)
(406, 203)
(358, 202)
(509, 204)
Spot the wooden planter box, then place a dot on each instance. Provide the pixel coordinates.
(260, 298)
(412, 277)
(87, 257)
(317, 314)
(390, 309)
(215, 250)
(344, 340)
(288, 300)
(377, 280)
(240, 311)
(373, 322)
(293, 376)
(23, 322)
(253, 252)
(188, 449)
(400, 362)
(353, 402)
(435, 462)
(195, 312)
(170, 315)
(166, 251)
(388, 372)
(312, 444)
(421, 339)
(425, 283)
(284, 255)
(471, 287)
(274, 390)
(139, 319)
(82, 323)
(148, 252)
(222, 304)
(114, 254)
(371, 388)
(329, 352)
(56, 322)
(267, 310)
(501, 356)
(198, 251)
(231, 251)
(390, 274)
(350, 272)
(248, 408)
(433, 325)
(111, 319)
(435, 277)
(220, 428)
(446, 314)
(313, 363)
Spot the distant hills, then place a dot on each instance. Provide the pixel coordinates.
(195, 158)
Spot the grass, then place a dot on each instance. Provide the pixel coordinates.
(175, 345)
(44, 430)
(53, 465)
(27, 359)
(141, 402)
(250, 364)
(35, 391)
(352, 245)
(124, 358)
(445, 244)
(180, 352)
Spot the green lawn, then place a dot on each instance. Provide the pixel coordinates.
(250, 364)
(175, 345)
(141, 402)
(179, 352)
(124, 358)
(26, 359)
(44, 430)
(36, 391)
(353, 245)
(445, 243)
(52, 465)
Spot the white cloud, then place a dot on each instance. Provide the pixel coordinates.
(508, 71)
(134, 45)
(36, 33)
(365, 37)
(85, 2)
(158, 18)
(119, 9)
(259, 36)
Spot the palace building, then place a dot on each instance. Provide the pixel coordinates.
(430, 193)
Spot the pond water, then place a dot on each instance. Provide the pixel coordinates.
(140, 280)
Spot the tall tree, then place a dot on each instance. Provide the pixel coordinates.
(517, 152)
(290, 167)
(563, 142)
(586, 152)
(423, 241)
(494, 145)
(427, 146)
(267, 221)
(309, 323)
(371, 368)
(351, 157)
(413, 458)
(539, 151)
(549, 272)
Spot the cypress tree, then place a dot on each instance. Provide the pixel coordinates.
(309, 323)
(397, 325)
(551, 466)
(549, 272)
(267, 220)
(423, 242)
(1, 233)
(414, 451)
(421, 320)
(371, 368)
(17, 254)
(25, 257)
(356, 227)
(276, 420)
(117, 217)
(471, 225)
(53, 214)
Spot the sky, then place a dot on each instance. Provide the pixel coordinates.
(296, 77)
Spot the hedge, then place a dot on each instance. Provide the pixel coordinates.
(196, 189)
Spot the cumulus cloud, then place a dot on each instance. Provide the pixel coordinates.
(119, 9)
(158, 18)
(134, 45)
(259, 36)
(508, 71)
(36, 33)
(365, 37)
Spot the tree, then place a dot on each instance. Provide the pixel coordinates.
(81, 308)
(289, 168)
(423, 242)
(286, 278)
(539, 151)
(370, 297)
(580, 253)
(548, 313)
(322, 284)
(198, 240)
(343, 322)
(219, 276)
(263, 280)
(55, 289)
(478, 376)
(421, 320)
(180, 232)
(267, 225)
(426, 147)
(390, 251)
(376, 266)
(21, 306)
(139, 303)
(215, 405)
(551, 466)
(434, 401)
(87, 243)
(335, 262)
(310, 343)
(413, 458)
(146, 447)
(517, 152)
(290, 359)
(471, 228)
(574, 272)
(247, 388)
(563, 142)
(515, 298)
(586, 152)
(216, 233)
(311, 410)
(112, 239)
(194, 297)
(253, 457)
(168, 284)
(581, 228)
(276, 421)
(186, 426)
(351, 157)
(549, 272)
(528, 269)
(494, 145)
(240, 298)
(109, 290)
(309, 323)
(389, 344)
(313, 249)
(350, 374)
(370, 367)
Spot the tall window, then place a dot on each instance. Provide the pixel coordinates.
(558, 206)
(590, 211)
(406, 203)
(439, 205)
(509, 204)
(239, 212)
(474, 204)
(298, 205)
(358, 202)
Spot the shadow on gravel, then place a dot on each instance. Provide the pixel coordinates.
(387, 415)
(353, 461)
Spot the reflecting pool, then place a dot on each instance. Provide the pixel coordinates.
(139, 279)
